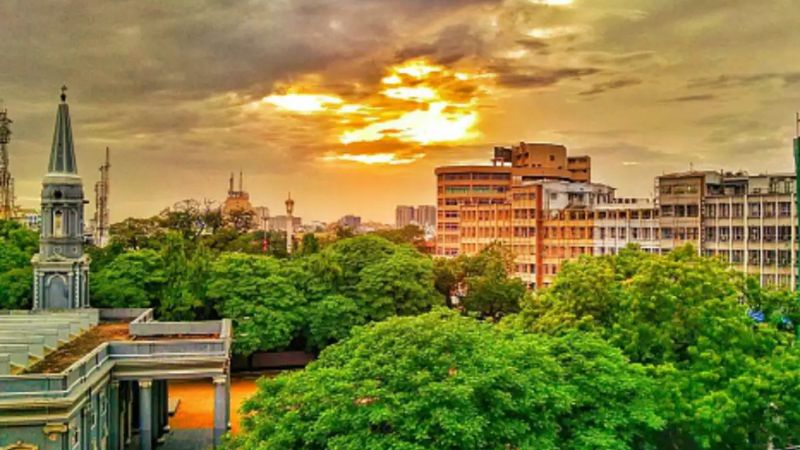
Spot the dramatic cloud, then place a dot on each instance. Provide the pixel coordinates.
(359, 101)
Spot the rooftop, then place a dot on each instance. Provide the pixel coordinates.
(60, 339)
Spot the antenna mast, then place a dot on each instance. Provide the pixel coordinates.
(101, 216)
(6, 181)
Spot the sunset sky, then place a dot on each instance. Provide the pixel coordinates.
(351, 104)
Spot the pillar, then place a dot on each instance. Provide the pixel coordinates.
(156, 416)
(220, 408)
(114, 413)
(165, 406)
(145, 414)
(128, 412)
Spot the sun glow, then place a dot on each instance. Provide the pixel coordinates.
(375, 158)
(303, 103)
(431, 126)
(417, 94)
(417, 103)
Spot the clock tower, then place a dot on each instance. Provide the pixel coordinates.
(61, 269)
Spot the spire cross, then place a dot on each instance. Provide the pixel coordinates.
(64, 93)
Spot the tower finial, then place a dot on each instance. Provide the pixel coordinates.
(64, 93)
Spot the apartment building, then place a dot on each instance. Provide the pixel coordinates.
(542, 205)
(749, 221)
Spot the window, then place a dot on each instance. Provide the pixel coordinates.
(58, 223)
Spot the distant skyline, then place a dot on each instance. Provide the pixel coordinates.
(351, 104)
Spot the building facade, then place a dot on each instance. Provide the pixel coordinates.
(77, 378)
(404, 216)
(541, 204)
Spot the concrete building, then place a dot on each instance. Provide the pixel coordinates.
(749, 221)
(77, 378)
(540, 203)
(423, 216)
(280, 223)
(488, 187)
(351, 221)
(404, 216)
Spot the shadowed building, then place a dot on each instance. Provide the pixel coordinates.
(77, 378)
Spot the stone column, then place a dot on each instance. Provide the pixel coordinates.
(220, 408)
(114, 413)
(145, 414)
(165, 409)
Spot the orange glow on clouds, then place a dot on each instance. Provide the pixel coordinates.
(416, 102)
(375, 158)
(303, 103)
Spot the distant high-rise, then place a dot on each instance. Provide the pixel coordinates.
(404, 216)
(425, 216)
(351, 221)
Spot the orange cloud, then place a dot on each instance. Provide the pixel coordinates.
(416, 102)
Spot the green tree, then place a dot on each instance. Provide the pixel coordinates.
(17, 246)
(687, 317)
(16, 288)
(266, 308)
(331, 319)
(400, 284)
(179, 295)
(134, 279)
(310, 244)
(441, 381)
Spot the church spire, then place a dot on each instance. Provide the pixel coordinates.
(62, 154)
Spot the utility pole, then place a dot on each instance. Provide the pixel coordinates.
(101, 191)
(6, 181)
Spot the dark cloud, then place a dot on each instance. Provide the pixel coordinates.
(745, 80)
(692, 98)
(599, 88)
(451, 45)
(535, 77)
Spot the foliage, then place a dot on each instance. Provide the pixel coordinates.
(440, 381)
(331, 319)
(483, 282)
(400, 284)
(310, 244)
(17, 246)
(266, 308)
(687, 317)
(132, 280)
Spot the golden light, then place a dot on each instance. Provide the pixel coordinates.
(551, 32)
(418, 68)
(303, 103)
(552, 2)
(417, 102)
(417, 94)
(431, 126)
(375, 158)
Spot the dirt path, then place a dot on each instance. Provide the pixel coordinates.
(196, 409)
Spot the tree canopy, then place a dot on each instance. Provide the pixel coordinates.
(686, 317)
(442, 381)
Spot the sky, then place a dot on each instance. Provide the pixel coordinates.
(350, 105)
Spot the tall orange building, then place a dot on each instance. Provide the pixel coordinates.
(534, 199)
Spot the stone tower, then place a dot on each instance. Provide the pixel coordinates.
(61, 269)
